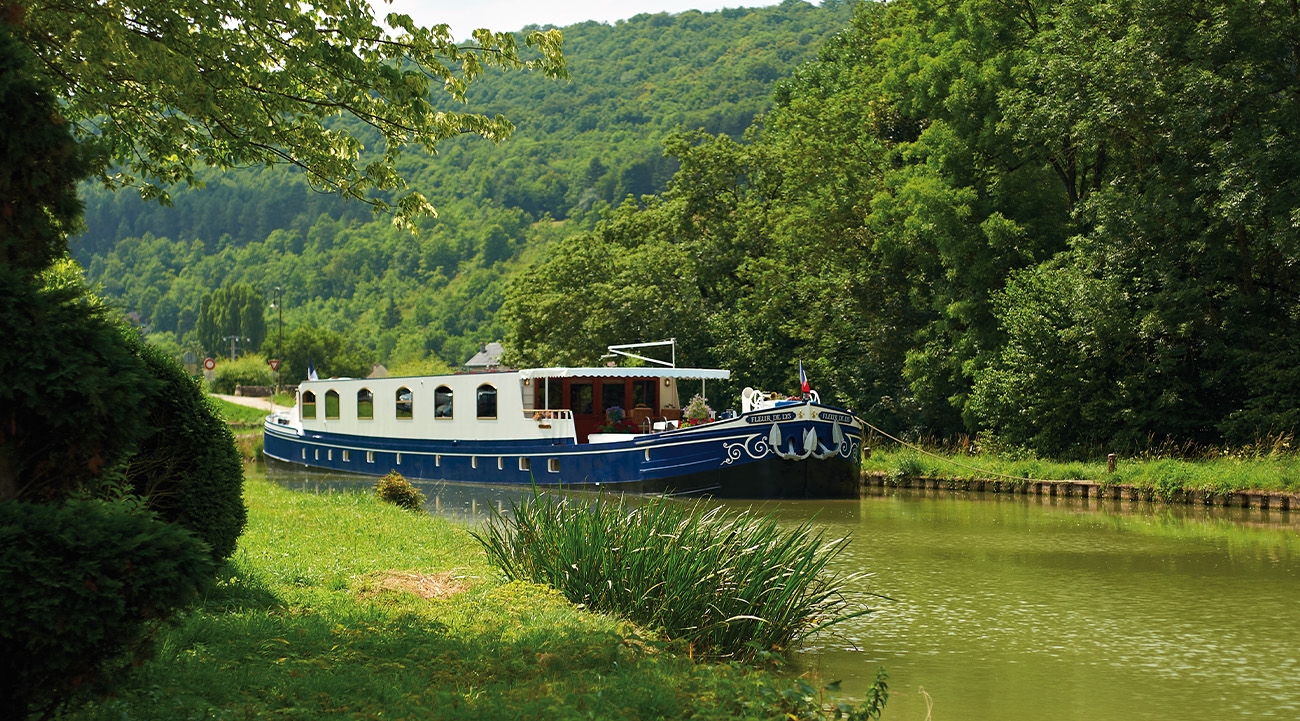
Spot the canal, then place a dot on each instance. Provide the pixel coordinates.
(1018, 608)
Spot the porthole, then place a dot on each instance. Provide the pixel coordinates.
(437, 460)
(399, 459)
(553, 465)
(304, 454)
(370, 456)
(524, 465)
(329, 454)
(501, 463)
(347, 456)
(317, 454)
(473, 461)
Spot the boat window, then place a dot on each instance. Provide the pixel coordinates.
(525, 464)
(487, 401)
(331, 405)
(442, 406)
(308, 405)
(643, 393)
(405, 406)
(553, 465)
(580, 397)
(365, 404)
(611, 394)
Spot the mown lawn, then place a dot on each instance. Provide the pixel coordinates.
(339, 606)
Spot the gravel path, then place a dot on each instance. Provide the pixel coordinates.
(263, 404)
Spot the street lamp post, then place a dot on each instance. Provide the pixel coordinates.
(279, 344)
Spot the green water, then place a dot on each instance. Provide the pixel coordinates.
(1019, 608)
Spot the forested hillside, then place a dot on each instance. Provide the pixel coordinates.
(580, 146)
(1066, 223)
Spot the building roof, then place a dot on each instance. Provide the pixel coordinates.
(488, 356)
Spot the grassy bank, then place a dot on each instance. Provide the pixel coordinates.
(246, 424)
(339, 606)
(1215, 472)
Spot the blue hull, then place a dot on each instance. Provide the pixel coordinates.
(733, 458)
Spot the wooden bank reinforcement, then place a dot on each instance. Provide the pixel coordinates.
(1264, 500)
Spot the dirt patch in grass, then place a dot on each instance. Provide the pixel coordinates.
(424, 585)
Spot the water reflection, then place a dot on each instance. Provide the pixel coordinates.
(1024, 607)
(463, 502)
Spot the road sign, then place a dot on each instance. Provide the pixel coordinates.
(209, 364)
(275, 364)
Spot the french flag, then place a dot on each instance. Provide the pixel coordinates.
(803, 379)
(311, 371)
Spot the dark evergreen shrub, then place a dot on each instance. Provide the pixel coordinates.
(189, 471)
(69, 386)
(394, 488)
(83, 584)
(42, 164)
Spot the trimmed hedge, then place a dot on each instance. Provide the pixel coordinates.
(82, 586)
(189, 471)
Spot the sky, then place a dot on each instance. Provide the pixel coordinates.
(508, 15)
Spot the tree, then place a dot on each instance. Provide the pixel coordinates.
(232, 310)
(38, 180)
(155, 89)
(330, 353)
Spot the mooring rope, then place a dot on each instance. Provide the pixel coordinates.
(956, 463)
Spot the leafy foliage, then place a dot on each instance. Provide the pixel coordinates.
(395, 489)
(249, 370)
(85, 585)
(188, 471)
(233, 310)
(38, 197)
(1065, 222)
(158, 89)
(69, 375)
(332, 354)
(580, 146)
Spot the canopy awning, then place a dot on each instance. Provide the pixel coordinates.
(606, 372)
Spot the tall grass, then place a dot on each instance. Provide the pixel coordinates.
(731, 585)
(1211, 470)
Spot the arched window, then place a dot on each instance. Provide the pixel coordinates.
(442, 407)
(487, 401)
(308, 405)
(405, 406)
(365, 404)
(331, 405)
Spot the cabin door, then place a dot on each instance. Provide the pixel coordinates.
(582, 401)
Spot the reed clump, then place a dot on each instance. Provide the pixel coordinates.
(395, 489)
(730, 585)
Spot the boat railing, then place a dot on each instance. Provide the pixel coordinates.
(549, 414)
